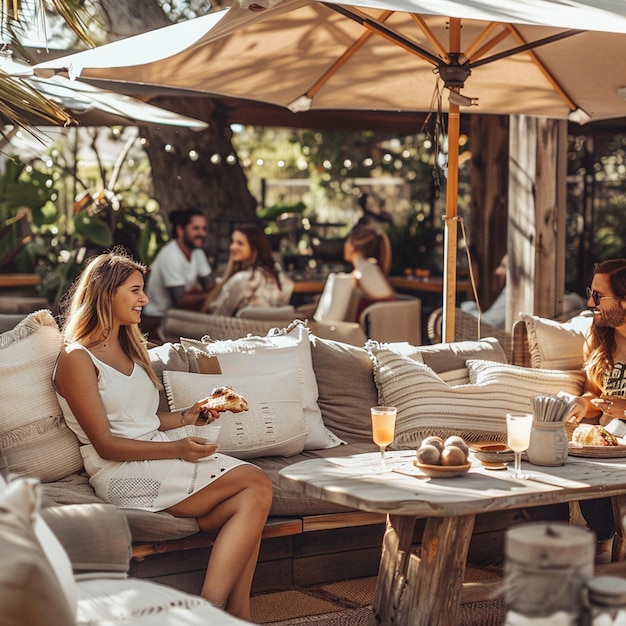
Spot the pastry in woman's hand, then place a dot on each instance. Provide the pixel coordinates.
(224, 399)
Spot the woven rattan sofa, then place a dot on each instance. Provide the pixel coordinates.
(306, 541)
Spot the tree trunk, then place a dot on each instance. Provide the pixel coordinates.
(189, 168)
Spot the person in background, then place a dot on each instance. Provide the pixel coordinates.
(604, 397)
(138, 457)
(180, 276)
(495, 315)
(252, 277)
(368, 250)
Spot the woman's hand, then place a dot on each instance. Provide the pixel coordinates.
(193, 449)
(199, 411)
(611, 406)
(579, 410)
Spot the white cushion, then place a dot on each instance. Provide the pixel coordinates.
(136, 602)
(33, 435)
(39, 584)
(274, 423)
(556, 345)
(428, 406)
(278, 351)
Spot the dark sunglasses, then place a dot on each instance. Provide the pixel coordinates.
(596, 297)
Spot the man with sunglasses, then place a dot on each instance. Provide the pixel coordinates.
(604, 397)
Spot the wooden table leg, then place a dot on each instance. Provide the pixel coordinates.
(619, 541)
(392, 572)
(424, 590)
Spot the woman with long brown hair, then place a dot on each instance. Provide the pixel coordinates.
(251, 278)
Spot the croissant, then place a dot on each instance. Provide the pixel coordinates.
(593, 435)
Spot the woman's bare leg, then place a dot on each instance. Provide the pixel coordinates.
(235, 507)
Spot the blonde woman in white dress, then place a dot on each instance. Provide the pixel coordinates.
(109, 395)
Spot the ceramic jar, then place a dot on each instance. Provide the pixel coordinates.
(547, 565)
(548, 443)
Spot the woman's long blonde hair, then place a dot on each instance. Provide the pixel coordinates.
(601, 339)
(86, 307)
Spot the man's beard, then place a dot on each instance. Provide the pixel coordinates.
(193, 243)
(612, 318)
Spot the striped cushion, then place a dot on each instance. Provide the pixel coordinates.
(428, 406)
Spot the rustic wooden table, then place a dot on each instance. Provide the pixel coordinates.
(427, 590)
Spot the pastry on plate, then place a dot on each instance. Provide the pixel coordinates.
(593, 435)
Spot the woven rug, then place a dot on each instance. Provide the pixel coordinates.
(348, 603)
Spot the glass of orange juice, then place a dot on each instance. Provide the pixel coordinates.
(383, 428)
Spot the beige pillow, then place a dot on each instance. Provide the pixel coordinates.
(428, 406)
(279, 351)
(33, 435)
(556, 345)
(274, 423)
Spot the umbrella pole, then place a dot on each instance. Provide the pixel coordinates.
(452, 193)
(451, 225)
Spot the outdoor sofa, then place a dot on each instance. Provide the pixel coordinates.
(320, 394)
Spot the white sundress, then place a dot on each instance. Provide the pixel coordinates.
(131, 403)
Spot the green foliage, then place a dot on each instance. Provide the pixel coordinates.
(414, 244)
(272, 212)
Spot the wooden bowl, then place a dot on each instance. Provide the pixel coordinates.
(443, 471)
(493, 453)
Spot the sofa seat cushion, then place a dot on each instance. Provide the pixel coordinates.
(287, 500)
(33, 435)
(428, 406)
(144, 525)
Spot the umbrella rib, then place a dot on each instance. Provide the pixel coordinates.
(384, 31)
(529, 47)
(344, 58)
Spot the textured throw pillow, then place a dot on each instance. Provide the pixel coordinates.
(36, 582)
(428, 406)
(279, 351)
(172, 357)
(274, 424)
(33, 435)
(525, 380)
(346, 388)
(556, 345)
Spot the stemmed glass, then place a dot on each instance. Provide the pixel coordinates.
(383, 429)
(518, 427)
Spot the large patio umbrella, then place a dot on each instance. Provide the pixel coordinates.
(93, 106)
(548, 58)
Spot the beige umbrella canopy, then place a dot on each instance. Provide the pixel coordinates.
(548, 58)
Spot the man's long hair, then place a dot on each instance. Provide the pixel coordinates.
(601, 339)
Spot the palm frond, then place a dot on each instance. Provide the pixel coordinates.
(20, 103)
(73, 14)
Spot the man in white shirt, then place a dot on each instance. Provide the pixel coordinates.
(180, 276)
